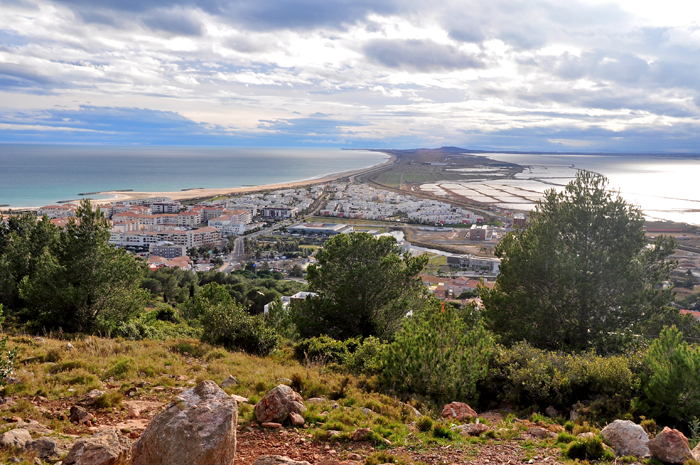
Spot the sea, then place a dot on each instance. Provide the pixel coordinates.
(38, 175)
(665, 186)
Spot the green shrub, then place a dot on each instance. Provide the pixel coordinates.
(122, 368)
(231, 326)
(526, 376)
(53, 356)
(565, 437)
(108, 400)
(672, 387)
(442, 431)
(569, 427)
(378, 458)
(587, 449)
(436, 355)
(367, 358)
(650, 427)
(325, 350)
(425, 424)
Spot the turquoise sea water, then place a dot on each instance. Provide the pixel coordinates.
(32, 176)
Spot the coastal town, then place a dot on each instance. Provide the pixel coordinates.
(213, 234)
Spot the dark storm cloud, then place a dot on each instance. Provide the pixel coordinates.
(419, 55)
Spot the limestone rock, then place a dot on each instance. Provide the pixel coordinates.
(458, 411)
(670, 446)
(79, 414)
(239, 399)
(92, 396)
(197, 428)
(471, 429)
(297, 420)
(626, 438)
(696, 452)
(278, 404)
(45, 448)
(551, 412)
(271, 425)
(15, 438)
(540, 432)
(316, 400)
(107, 447)
(361, 434)
(230, 381)
(277, 460)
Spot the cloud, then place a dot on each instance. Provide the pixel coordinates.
(317, 125)
(175, 21)
(419, 55)
(255, 15)
(104, 125)
(365, 72)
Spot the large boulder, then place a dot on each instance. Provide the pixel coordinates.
(15, 438)
(458, 411)
(277, 460)
(197, 428)
(107, 447)
(278, 404)
(626, 438)
(670, 446)
(45, 448)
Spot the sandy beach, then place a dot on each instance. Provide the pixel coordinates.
(208, 193)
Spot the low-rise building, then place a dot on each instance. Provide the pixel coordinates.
(167, 250)
(473, 262)
(166, 207)
(329, 229)
(287, 300)
(279, 212)
(519, 220)
(57, 211)
(480, 232)
(190, 218)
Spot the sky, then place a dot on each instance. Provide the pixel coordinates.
(552, 75)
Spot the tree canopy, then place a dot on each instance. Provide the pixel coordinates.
(70, 278)
(582, 274)
(364, 287)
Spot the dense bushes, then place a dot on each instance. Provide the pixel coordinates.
(227, 323)
(527, 376)
(438, 356)
(352, 355)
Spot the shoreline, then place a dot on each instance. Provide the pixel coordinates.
(203, 193)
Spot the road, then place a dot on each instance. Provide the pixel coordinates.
(238, 253)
